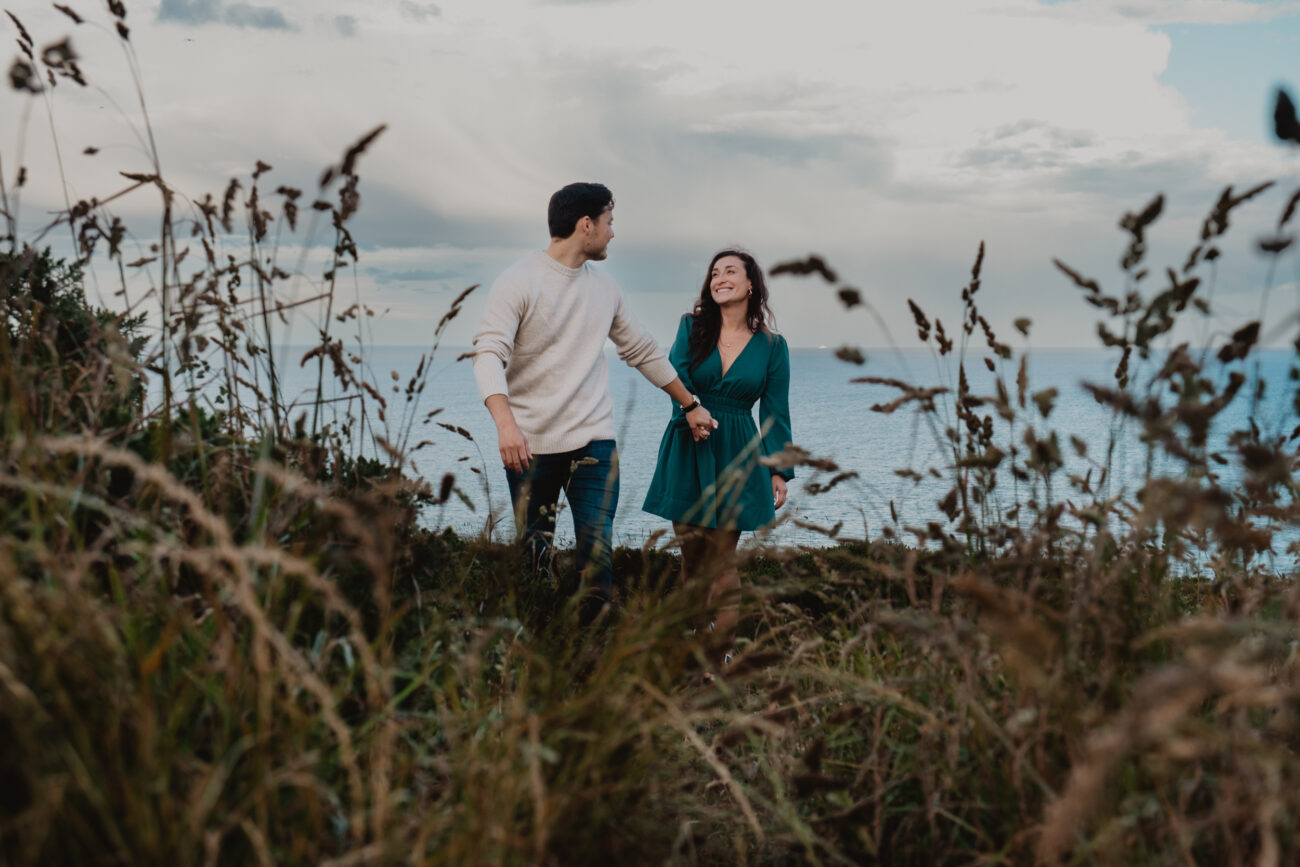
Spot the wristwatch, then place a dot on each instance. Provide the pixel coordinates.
(695, 402)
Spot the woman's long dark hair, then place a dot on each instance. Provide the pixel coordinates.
(708, 316)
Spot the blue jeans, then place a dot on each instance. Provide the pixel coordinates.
(589, 478)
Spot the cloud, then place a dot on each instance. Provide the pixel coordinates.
(890, 138)
(385, 276)
(215, 11)
(1009, 158)
(1135, 176)
(346, 25)
(189, 11)
(1202, 11)
(1054, 136)
(264, 17)
(865, 159)
(419, 11)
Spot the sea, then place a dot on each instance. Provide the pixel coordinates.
(899, 464)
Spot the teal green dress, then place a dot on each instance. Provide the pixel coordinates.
(718, 482)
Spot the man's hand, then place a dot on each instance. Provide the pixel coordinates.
(702, 423)
(515, 453)
(778, 491)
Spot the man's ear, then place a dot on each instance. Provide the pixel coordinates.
(585, 225)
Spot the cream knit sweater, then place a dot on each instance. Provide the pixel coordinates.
(542, 344)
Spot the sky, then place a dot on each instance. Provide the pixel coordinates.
(889, 138)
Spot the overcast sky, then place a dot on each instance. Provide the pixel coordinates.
(891, 138)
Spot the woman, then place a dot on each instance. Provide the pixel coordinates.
(711, 484)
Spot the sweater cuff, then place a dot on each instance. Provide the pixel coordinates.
(660, 371)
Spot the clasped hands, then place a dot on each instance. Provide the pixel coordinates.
(701, 422)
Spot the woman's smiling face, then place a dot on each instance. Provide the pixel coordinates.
(729, 283)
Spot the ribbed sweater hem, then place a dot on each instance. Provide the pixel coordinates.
(554, 445)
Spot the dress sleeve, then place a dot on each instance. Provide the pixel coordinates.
(774, 406)
(680, 354)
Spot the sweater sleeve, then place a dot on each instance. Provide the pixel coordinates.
(638, 349)
(494, 342)
(774, 406)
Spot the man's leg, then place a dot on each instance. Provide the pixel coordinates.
(535, 494)
(592, 491)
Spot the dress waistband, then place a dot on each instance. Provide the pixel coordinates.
(715, 403)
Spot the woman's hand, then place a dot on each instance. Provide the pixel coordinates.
(778, 491)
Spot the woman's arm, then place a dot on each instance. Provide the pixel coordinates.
(680, 355)
(774, 408)
(682, 390)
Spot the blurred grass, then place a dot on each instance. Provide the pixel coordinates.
(225, 638)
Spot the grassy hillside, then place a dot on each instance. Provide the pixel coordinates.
(226, 639)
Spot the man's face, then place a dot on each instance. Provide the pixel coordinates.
(601, 233)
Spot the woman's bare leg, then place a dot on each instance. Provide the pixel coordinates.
(724, 591)
(707, 555)
(694, 550)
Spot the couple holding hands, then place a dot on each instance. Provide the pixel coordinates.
(539, 361)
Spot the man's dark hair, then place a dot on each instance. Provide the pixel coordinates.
(572, 203)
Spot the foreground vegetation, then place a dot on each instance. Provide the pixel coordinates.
(225, 637)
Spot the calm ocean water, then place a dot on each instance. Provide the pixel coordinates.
(831, 417)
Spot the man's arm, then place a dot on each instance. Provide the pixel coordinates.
(515, 453)
(493, 347)
(640, 350)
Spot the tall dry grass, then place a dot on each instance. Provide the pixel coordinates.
(225, 637)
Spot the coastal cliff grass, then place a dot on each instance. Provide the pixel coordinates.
(226, 637)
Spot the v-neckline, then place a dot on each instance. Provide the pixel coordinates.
(727, 369)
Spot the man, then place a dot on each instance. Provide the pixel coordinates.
(539, 360)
